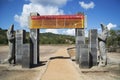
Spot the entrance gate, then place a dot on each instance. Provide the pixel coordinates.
(55, 21)
(28, 54)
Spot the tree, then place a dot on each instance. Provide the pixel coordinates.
(114, 38)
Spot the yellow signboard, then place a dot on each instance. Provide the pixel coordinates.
(57, 21)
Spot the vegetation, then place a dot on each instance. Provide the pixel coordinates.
(3, 37)
(50, 38)
(113, 41)
(45, 38)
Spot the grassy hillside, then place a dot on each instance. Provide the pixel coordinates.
(50, 38)
(3, 37)
(45, 38)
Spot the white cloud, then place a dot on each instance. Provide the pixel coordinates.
(62, 31)
(50, 2)
(52, 30)
(41, 7)
(110, 25)
(59, 31)
(69, 32)
(87, 5)
(72, 32)
(86, 33)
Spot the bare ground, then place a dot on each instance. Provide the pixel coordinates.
(61, 68)
(58, 66)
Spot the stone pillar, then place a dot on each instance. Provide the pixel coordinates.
(20, 39)
(80, 39)
(84, 58)
(34, 42)
(93, 46)
(26, 57)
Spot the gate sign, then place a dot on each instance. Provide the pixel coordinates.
(57, 21)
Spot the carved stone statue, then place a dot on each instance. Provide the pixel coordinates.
(102, 41)
(11, 42)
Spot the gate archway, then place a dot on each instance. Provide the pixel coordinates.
(37, 22)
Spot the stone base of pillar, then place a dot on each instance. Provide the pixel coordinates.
(84, 58)
(26, 57)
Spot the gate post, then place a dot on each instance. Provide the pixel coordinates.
(93, 45)
(80, 39)
(20, 40)
(34, 42)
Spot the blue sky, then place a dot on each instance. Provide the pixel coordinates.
(98, 11)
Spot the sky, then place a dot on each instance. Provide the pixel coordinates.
(98, 11)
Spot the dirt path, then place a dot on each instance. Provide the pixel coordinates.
(61, 68)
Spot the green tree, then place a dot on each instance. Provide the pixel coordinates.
(113, 38)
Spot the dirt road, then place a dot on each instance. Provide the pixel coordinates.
(61, 68)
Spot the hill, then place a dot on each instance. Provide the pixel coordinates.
(45, 38)
(3, 36)
(50, 38)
